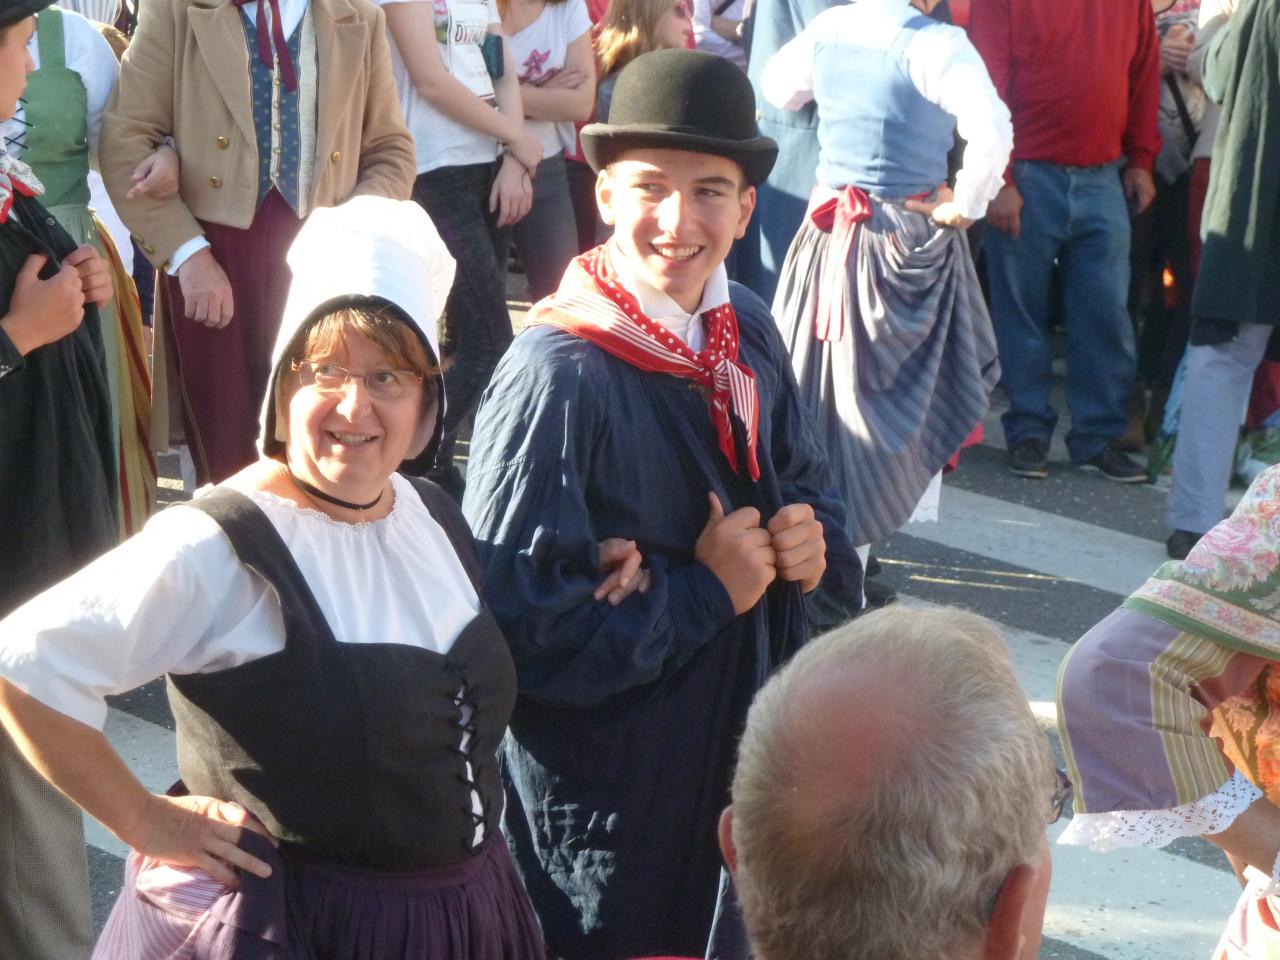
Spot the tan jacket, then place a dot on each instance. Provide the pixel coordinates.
(186, 74)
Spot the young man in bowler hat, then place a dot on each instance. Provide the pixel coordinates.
(57, 502)
(651, 400)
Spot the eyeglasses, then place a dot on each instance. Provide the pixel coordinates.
(331, 379)
(1061, 794)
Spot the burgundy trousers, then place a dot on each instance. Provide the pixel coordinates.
(224, 371)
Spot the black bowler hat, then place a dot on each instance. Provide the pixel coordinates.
(11, 11)
(682, 100)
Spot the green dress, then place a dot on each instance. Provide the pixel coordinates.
(56, 146)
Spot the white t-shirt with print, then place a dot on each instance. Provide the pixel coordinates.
(538, 53)
(460, 27)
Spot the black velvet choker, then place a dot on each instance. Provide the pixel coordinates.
(320, 494)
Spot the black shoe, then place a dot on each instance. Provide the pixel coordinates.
(1115, 464)
(1029, 457)
(1180, 543)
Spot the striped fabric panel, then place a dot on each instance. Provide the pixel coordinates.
(897, 396)
(1195, 760)
(159, 912)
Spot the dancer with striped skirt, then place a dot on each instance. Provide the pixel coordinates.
(878, 302)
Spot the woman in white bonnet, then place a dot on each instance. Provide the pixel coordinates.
(338, 686)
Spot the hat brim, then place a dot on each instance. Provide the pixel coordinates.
(602, 142)
(17, 12)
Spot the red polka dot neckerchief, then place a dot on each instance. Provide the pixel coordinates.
(591, 303)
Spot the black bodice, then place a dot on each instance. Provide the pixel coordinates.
(350, 751)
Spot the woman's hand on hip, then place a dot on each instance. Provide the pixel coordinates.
(941, 210)
(199, 832)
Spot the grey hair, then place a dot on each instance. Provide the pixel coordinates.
(906, 861)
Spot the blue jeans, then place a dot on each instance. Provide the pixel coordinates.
(1075, 216)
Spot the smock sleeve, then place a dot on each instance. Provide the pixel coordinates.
(156, 604)
(787, 80)
(528, 503)
(948, 71)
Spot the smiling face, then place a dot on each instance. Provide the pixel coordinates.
(348, 443)
(15, 64)
(675, 215)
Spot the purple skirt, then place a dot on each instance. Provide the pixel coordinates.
(312, 909)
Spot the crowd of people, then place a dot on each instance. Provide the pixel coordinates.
(493, 647)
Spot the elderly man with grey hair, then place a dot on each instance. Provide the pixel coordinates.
(891, 796)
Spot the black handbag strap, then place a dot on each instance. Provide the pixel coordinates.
(1188, 127)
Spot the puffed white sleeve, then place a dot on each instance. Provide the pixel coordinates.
(948, 71)
(787, 80)
(89, 55)
(147, 608)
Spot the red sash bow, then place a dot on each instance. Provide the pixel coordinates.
(287, 74)
(839, 216)
(593, 305)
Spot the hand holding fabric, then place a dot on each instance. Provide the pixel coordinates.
(942, 210)
(799, 545)
(43, 311)
(199, 832)
(739, 552)
(95, 275)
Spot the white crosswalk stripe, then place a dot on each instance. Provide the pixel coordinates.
(1132, 905)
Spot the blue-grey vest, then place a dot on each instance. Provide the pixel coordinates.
(875, 129)
(262, 89)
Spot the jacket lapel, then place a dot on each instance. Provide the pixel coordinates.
(341, 40)
(221, 40)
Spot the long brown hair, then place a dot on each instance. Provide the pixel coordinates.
(630, 29)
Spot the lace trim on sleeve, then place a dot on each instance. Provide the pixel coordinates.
(1102, 832)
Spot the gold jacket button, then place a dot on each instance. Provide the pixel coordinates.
(336, 156)
(223, 143)
(215, 182)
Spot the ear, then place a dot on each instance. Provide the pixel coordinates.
(726, 840)
(604, 196)
(746, 206)
(1016, 923)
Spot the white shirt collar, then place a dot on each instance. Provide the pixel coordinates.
(664, 311)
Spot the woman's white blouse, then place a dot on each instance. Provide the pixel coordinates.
(175, 599)
(943, 66)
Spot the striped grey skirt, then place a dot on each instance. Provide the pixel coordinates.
(912, 372)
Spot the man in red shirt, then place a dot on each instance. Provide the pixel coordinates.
(1082, 81)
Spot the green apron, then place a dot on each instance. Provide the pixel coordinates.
(56, 146)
